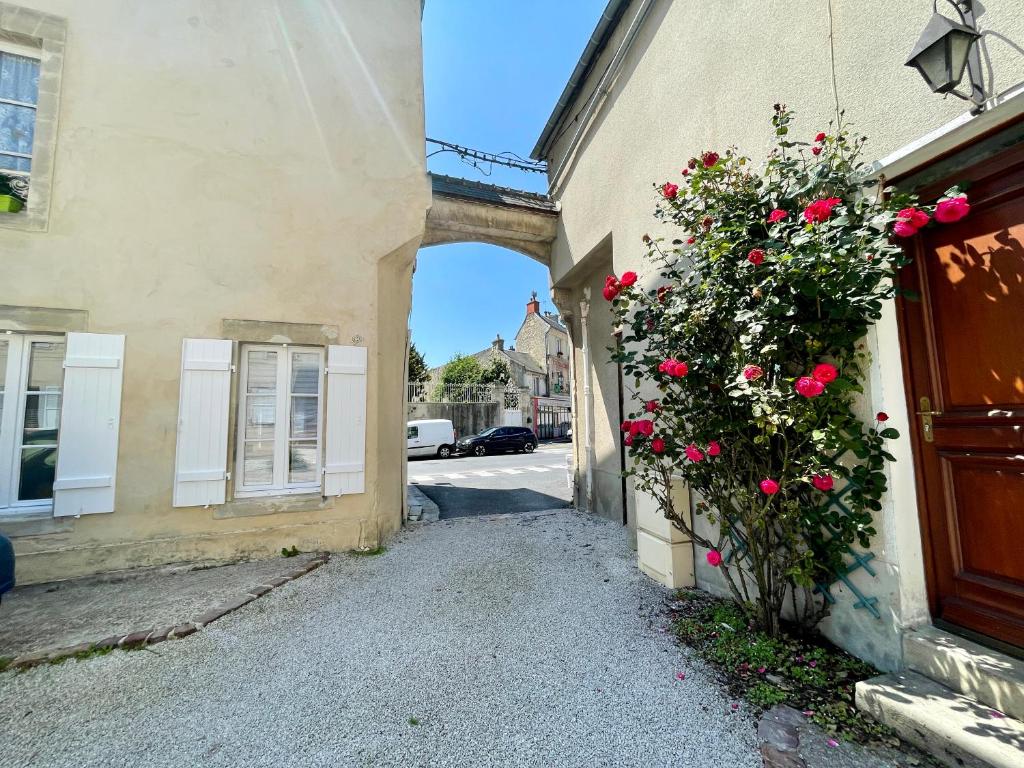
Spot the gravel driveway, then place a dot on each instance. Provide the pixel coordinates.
(527, 640)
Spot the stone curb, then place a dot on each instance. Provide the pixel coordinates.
(779, 737)
(154, 635)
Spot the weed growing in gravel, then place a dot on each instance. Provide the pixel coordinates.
(805, 672)
(286, 552)
(370, 552)
(5, 662)
(414, 721)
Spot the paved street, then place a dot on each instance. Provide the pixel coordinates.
(514, 482)
(512, 640)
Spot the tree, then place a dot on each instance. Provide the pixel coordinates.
(418, 371)
(497, 372)
(752, 339)
(459, 371)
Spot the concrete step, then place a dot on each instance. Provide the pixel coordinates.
(977, 672)
(960, 732)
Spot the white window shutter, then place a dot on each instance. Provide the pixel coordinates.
(345, 455)
(200, 466)
(89, 424)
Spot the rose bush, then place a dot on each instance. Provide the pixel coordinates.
(753, 338)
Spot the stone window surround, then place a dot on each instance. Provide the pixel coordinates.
(47, 33)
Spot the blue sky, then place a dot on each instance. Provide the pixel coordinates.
(493, 70)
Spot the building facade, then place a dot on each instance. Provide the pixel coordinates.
(203, 348)
(668, 80)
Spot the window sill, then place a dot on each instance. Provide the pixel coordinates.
(271, 505)
(38, 521)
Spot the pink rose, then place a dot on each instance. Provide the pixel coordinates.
(904, 229)
(825, 373)
(714, 448)
(669, 190)
(756, 256)
(646, 427)
(658, 445)
(815, 150)
(915, 217)
(820, 210)
(820, 137)
(751, 372)
(768, 486)
(693, 453)
(627, 279)
(651, 406)
(823, 482)
(714, 558)
(777, 215)
(953, 209)
(709, 159)
(809, 387)
(882, 416)
(680, 369)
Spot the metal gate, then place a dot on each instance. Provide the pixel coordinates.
(553, 421)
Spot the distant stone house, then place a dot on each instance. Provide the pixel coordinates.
(543, 337)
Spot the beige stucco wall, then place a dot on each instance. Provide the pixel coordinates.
(260, 161)
(705, 75)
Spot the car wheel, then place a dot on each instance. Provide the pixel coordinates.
(444, 452)
(479, 450)
(529, 447)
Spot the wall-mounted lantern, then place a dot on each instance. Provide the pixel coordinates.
(946, 48)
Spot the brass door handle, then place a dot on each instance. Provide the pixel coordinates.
(926, 413)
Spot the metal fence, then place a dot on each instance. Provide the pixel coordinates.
(450, 393)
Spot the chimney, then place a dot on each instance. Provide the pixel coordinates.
(498, 343)
(533, 306)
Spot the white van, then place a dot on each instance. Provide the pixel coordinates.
(430, 437)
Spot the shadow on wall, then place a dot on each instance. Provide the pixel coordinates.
(477, 502)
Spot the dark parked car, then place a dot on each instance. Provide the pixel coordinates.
(6, 565)
(498, 440)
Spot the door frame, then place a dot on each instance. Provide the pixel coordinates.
(980, 154)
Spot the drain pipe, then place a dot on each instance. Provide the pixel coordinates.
(603, 86)
(588, 398)
(572, 400)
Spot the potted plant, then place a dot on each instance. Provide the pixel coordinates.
(13, 193)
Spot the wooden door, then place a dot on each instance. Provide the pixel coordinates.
(963, 344)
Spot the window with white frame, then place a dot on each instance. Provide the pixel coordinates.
(19, 95)
(32, 373)
(280, 405)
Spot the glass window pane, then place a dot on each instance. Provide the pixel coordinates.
(37, 468)
(262, 373)
(302, 462)
(305, 373)
(258, 463)
(304, 417)
(19, 78)
(46, 366)
(17, 128)
(42, 418)
(9, 163)
(260, 417)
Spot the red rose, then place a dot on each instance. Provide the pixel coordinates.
(823, 482)
(809, 387)
(691, 163)
(686, 171)
(953, 209)
(626, 425)
(777, 215)
(627, 440)
(708, 221)
(646, 427)
(628, 278)
(610, 292)
(714, 558)
(691, 240)
(820, 210)
(693, 453)
(882, 416)
(815, 150)
(680, 369)
(756, 256)
(651, 406)
(751, 372)
(768, 486)
(709, 159)
(820, 137)
(669, 190)
(825, 373)
(917, 218)
(904, 229)
(658, 445)
(714, 448)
